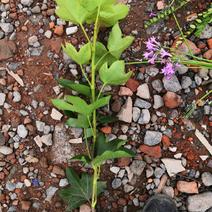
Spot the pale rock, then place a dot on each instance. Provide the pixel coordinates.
(144, 117)
(173, 166)
(114, 169)
(22, 131)
(63, 182)
(71, 30)
(2, 98)
(143, 91)
(50, 192)
(85, 208)
(56, 115)
(207, 178)
(47, 139)
(75, 141)
(6, 150)
(124, 91)
(136, 114)
(199, 202)
(158, 102)
(126, 111)
(27, 183)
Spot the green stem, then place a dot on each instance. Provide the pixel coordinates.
(140, 62)
(84, 74)
(100, 92)
(93, 93)
(86, 142)
(85, 33)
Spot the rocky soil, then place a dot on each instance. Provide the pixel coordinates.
(35, 145)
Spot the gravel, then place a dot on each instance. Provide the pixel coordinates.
(136, 114)
(199, 202)
(157, 85)
(2, 98)
(158, 102)
(16, 96)
(143, 91)
(144, 117)
(172, 84)
(6, 150)
(71, 30)
(207, 32)
(26, 2)
(207, 178)
(142, 103)
(116, 183)
(22, 131)
(137, 167)
(152, 138)
(186, 82)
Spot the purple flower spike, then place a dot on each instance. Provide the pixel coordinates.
(164, 53)
(152, 59)
(168, 70)
(148, 55)
(152, 14)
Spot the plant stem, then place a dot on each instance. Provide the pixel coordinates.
(85, 33)
(139, 62)
(100, 92)
(84, 74)
(86, 142)
(93, 93)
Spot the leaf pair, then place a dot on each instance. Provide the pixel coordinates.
(80, 190)
(115, 74)
(116, 46)
(106, 150)
(81, 11)
(82, 56)
(77, 104)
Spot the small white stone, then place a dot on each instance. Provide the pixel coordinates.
(71, 30)
(75, 141)
(204, 157)
(56, 115)
(63, 182)
(173, 166)
(114, 169)
(27, 183)
(48, 34)
(178, 155)
(2, 98)
(143, 91)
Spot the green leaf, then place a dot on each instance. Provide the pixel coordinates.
(103, 144)
(81, 89)
(115, 74)
(117, 44)
(103, 55)
(62, 105)
(80, 190)
(79, 105)
(101, 102)
(89, 133)
(107, 155)
(106, 150)
(83, 158)
(110, 14)
(82, 56)
(72, 10)
(80, 122)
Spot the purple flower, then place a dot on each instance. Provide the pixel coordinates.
(168, 70)
(152, 14)
(152, 44)
(148, 55)
(152, 59)
(164, 53)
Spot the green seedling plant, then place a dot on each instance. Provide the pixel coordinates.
(105, 64)
(166, 12)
